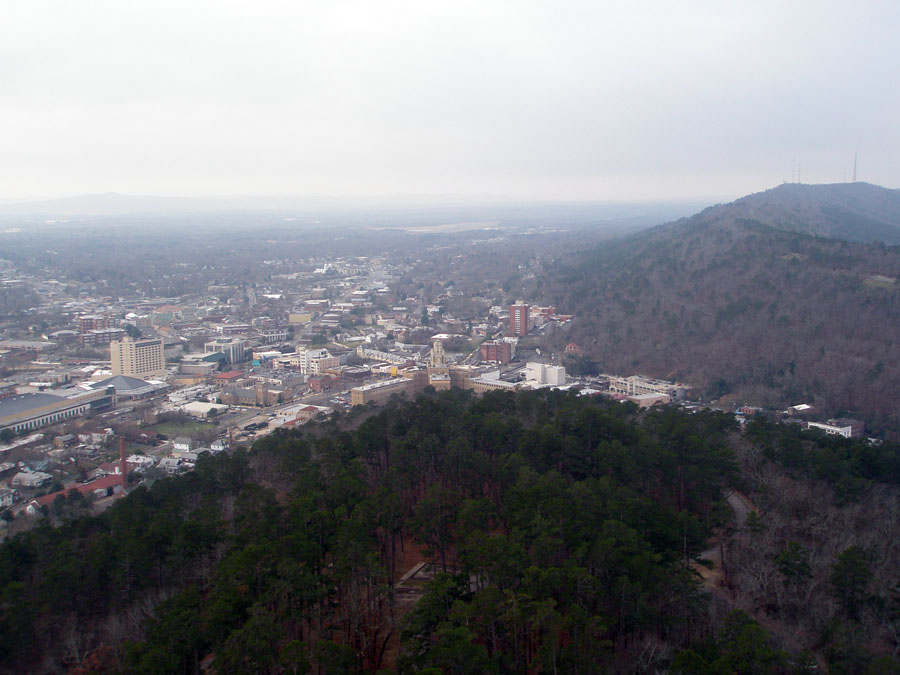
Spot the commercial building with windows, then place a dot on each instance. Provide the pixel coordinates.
(379, 392)
(847, 428)
(635, 385)
(497, 351)
(130, 388)
(101, 337)
(138, 358)
(232, 348)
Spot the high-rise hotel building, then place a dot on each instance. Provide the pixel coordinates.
(138, 358)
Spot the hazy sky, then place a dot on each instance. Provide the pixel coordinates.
(548, 100)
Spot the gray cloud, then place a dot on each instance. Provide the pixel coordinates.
(555, 100)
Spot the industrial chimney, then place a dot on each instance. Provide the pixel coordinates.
(123, 464)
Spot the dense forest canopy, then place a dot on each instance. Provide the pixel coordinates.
(562, 533)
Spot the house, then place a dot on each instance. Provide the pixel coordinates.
(187, 459)
(172, 465)
(94, 438)
(31, 479)
(65, 440)
(573, 349)
(8, 497)
(183, 444)
(134, 463)
(102, 487)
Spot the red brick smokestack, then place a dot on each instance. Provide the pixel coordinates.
(123, 464)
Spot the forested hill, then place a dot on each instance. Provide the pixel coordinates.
(739, 302)
(561, 530)
(851, 211)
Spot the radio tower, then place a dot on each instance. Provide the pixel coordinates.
(854, 167)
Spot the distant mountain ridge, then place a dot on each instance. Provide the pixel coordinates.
(764, 300)
(851, 211)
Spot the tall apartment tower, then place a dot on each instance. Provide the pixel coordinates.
(518, 318)
(138, 358)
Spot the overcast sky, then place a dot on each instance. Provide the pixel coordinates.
(539, 100)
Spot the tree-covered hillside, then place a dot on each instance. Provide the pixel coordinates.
(851, 211)
(562, 531)
(741, 307)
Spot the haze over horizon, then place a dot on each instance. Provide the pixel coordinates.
(570, 101)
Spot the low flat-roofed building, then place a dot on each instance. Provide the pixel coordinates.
(299, 318)
(440, 381)
(638, 384)
(101, 337)
(203, 409)
(490, 382)
(378, 355)
(350, 373)
(199, 368)
(648, 400)
(130, 388)
(36, 345)
(260, 395)
(379, 392)
(273, 336)
(840, 427)
(25, 412)
(31, 479)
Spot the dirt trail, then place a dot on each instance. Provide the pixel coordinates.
(714, 577)
(741, 506)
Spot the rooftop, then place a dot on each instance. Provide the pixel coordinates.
(122, 383)
(383, 383)
(25, 402)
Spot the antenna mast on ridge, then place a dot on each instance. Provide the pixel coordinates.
(854, 167)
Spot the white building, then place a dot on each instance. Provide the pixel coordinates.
(232, 348)
(31, 479)
(183, 444)
(173, 465)
(541, 373)
(306, 357)
(638, 384)
(378, 355)
(840, 427)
